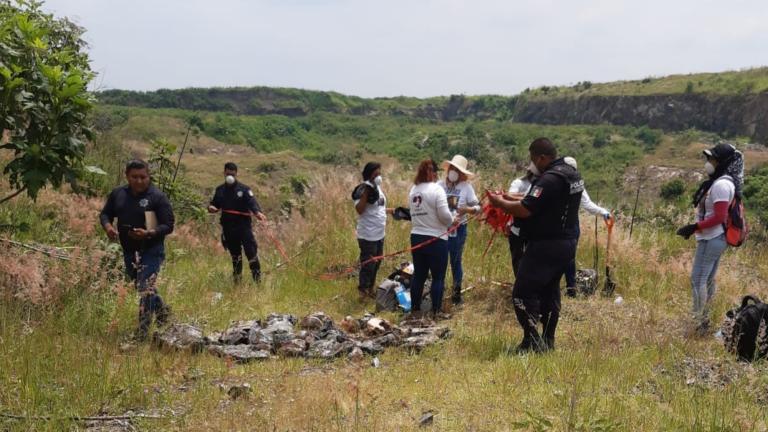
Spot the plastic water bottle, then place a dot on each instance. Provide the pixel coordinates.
(403, 297)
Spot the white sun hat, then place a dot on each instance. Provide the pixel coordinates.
(460, 163)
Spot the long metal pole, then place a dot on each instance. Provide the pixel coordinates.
(183, 147)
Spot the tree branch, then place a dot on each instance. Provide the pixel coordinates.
(11, 196)
(80, 418)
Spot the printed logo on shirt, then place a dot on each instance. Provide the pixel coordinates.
(143, 203)
(417, 200)
(536, 191)
(239, 194)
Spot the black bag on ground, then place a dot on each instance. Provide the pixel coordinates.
(745, 330)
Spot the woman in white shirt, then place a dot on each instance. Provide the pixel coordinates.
(371, 207)
(725, 168)
(430, 219)
(462, 201)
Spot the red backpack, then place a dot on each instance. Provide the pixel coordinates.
(735, 226)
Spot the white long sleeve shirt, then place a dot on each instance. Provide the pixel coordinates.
(430, 215)
(591, 208)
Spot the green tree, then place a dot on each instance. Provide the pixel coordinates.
(44, 101)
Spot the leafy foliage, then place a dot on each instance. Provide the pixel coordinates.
(756, 193)
(672, 189)
(185, 200)
(44, 102)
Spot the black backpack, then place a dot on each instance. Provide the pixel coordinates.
(745, 330)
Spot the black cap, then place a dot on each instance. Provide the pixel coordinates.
(720, 152)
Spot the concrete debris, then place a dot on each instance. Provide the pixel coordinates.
(426, 419)
(239, 353)
(180, 337)
(314, 336)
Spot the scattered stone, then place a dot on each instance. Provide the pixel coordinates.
(426, 419)
(217, 296)
(376, 362)
(109, 426)
(240, 353)
(356, 354)
(318, 337)
(239, 391)
(237, 333)
(350, 325)
(183, 337)
(586, 281)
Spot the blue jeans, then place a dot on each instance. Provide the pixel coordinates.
(432, 258)
(143, 267)
(455, 250)
(705, 262)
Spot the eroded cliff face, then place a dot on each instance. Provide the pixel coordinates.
(729, 115)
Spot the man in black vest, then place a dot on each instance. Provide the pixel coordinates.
(237, 204)
(549, 214)
(144, 217)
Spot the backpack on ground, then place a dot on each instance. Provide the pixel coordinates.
(745, 330)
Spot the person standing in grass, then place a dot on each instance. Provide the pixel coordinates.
(430, 219)
(517, 190)
(237, 204)
(550, 218)
(144, 217)
(725, 167)
(371, 207)
(462, 201)
(591, 208)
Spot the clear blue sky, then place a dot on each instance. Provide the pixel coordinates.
(412, 47)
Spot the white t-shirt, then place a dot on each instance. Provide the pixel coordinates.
(519, 186)
(429, 210)
(372, 223)
(722, 190)
(460, 195)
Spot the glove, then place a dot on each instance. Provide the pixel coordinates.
(607, 215)
(687, 231)
(402, 213)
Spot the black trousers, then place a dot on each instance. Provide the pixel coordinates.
(369, 249)
(239, 238)
(516, 249)
(536, 293)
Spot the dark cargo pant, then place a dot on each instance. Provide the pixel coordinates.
(143, 267)
(239, 238)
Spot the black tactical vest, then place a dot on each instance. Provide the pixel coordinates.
(560, 220)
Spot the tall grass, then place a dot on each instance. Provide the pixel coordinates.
(617, 367)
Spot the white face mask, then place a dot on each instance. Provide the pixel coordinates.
(230, 179)
(709, 168)
(532, 168)
(377, 180)
(453, 176)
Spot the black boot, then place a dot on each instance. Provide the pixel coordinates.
(237, 269)
(255, 267)
(456, 297)
(527, 313)
(570, 291)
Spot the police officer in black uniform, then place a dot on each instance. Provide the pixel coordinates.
(144, 217)
(237, 204)
(549, 216)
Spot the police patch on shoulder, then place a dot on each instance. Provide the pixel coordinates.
(239, 194)
(536, 191)
(250, 192)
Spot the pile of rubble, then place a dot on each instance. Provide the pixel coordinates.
(317, 336)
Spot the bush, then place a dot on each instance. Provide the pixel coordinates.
(672, 189)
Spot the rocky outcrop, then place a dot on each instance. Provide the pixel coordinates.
(729, 115)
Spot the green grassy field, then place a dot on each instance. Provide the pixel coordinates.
(632, 366)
